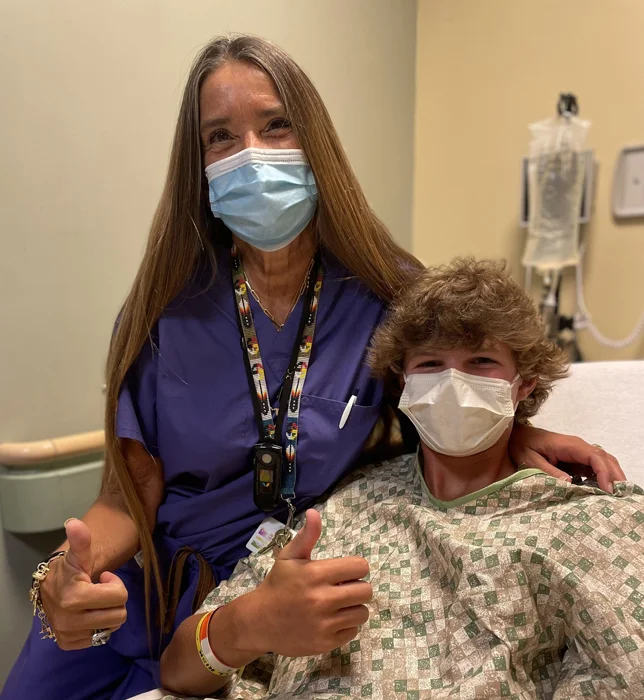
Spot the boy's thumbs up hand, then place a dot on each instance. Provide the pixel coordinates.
(307, 607)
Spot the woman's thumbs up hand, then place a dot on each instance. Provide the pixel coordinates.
(75, 606)
(79, 555)
(306, 607)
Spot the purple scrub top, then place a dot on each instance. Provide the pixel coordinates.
(187, 400)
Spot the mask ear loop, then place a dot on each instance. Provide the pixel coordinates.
(518, 378)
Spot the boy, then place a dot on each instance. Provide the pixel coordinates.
(485, 579)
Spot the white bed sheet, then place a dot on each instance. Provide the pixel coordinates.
(602, 402)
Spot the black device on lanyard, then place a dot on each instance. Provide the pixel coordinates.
(268, 453)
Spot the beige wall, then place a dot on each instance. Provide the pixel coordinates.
(485, 70)
(90, 92)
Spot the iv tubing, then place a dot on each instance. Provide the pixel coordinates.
(583, 319)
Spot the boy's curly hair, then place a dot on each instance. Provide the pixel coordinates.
(464, 304)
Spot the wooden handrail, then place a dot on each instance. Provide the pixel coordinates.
(27, 454)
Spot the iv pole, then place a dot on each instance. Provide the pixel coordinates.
(563, 329)
(560, 328)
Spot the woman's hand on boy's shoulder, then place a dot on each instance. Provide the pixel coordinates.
(542, 449)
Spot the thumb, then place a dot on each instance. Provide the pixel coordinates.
(79, 554)
(306, 539)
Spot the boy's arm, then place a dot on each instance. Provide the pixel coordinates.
(182, 670)
(297, 608)
(230, 635)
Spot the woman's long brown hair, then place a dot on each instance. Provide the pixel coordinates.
(181, 238)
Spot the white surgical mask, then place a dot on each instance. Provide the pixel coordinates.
(265, 196)
(458, 414)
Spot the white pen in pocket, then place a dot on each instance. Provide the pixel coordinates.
(347, 409)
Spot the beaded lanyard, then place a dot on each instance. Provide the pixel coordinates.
(293, 383)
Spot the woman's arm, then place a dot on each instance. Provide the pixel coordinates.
(79, 594)
(543, 450)
(114, 536)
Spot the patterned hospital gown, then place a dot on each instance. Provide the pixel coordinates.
(530, 588)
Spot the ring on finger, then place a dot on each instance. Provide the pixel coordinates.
(100, 637)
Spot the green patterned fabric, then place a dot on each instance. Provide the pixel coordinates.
(533, 588)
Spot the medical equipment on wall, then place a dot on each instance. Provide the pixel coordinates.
(556, 169)
(558, 178)
(628, 183)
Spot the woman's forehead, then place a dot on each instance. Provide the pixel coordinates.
(239, 88)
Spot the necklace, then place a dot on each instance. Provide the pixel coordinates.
(301, 291)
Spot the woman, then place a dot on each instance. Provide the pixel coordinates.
(484, 580)
(185, 479)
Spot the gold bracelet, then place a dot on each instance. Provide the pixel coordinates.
(38, 576)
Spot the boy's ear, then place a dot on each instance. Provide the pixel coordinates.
(526, 388)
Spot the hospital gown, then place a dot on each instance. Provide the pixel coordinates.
(529, 588)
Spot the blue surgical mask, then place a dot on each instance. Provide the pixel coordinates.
(266, 197)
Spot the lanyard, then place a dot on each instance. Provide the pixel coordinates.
(293, 382)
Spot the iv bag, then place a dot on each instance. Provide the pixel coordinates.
(556, 171)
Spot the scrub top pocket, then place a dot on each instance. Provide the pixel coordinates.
(326, 448)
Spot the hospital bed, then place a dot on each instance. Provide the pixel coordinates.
(602, 402)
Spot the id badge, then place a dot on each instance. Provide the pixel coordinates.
(265, 534)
